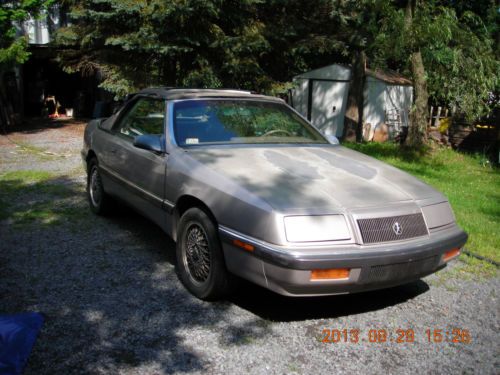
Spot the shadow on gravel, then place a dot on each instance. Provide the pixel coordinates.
(35, 125)
(145, 231)
(141, 316)
(274, 307)
(106, 286)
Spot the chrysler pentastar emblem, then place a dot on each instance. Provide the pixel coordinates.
(397, 228)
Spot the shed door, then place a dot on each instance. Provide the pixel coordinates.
(329, 100)
(300, 96)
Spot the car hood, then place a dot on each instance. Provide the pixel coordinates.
(321, 177)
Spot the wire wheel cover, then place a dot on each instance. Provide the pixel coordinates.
(197, 253)
(95, 187)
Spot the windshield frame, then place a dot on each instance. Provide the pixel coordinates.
(277, 102)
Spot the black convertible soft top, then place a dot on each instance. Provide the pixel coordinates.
(170, 93)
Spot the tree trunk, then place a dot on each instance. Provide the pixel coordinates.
(5, 114)
(417, 134)
(353, 120)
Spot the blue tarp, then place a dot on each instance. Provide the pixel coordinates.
(17, 335)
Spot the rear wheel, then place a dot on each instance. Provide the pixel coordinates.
(99, 202)
(200, 261)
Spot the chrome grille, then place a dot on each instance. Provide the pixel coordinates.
(383, 229)
(401, 271)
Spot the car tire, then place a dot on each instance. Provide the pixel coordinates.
(200, 261)
(100, 203)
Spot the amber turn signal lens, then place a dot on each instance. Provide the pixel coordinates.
(243, 245)
(450, 254)
(331, 274)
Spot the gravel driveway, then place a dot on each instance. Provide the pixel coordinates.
(113, 304)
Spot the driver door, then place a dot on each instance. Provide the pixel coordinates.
(139, 174)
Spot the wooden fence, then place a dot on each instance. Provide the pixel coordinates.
(436, 114)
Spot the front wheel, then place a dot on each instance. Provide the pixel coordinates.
(200, 262)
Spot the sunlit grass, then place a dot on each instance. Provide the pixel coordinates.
(36, 197)
(28, 176)
(471, 185)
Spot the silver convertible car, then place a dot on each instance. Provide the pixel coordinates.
(247, 187)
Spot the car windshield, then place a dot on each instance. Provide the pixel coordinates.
(202, 122)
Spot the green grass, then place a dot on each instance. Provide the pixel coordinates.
(471, 185)
(28, 177)
(36, 197)
(10, 184)
(469, 268)
(16, 182)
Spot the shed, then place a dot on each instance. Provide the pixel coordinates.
(320, 95)
(387, 99)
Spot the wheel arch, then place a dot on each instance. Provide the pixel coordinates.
(184, 203)
(90, 155)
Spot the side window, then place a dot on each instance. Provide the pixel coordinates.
(145, 117)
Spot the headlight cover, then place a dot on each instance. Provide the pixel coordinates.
(438, 215)
(316, 228)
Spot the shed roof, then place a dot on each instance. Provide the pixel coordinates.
(334, 72)
(389, 76)
(339, 72)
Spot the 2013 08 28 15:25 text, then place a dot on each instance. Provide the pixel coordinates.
(397, 335)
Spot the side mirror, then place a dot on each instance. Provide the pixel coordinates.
(332, 139)
(149, 142)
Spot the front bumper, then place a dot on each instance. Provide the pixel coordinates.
(287, 270)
